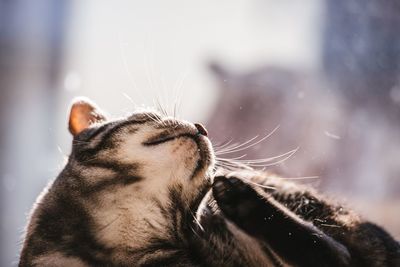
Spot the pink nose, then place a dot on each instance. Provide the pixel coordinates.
(201, 129)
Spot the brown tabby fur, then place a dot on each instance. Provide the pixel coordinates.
(142, 191)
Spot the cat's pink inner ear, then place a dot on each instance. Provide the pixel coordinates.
(83, 114)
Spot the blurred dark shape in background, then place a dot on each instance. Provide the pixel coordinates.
(344, 121)
(254, 103)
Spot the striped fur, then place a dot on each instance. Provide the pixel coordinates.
(139, 192)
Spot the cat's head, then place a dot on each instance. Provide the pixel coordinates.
(146, 143)
(126, 169)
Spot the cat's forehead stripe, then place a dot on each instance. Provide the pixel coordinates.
(103, 129)
(106, 133)
(98, 131)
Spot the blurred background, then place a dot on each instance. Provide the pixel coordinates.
(325, 74)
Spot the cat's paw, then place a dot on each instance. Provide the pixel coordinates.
(235, 198)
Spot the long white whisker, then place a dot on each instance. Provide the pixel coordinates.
(126, 66)
(264, 163)
(235, 158)
(232, 165)
(300, 178)
(252, 144)
(148, 76)
(222, 145)
(257, 184)
(178, 89)
(261, 160)
(130, 100)
(236, 146)
(274, 163)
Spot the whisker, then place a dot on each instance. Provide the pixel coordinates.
(160, 107)
(197, 221)
(135, 106)
(272, 163)
(128, 97)
(261, 160)
(258, 163)
(125, 64)
(154, 118)
(236, 158)
(148, 76)
(222, 145)
(174, 112)
(177, 88)
(232, 164)
(236, 145)
(300, 178)
(241, 148)
(257, 184)
(229, 168)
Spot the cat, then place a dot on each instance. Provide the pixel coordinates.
(144, 191)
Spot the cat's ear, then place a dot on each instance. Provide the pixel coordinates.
(219, 71)
(83, 113)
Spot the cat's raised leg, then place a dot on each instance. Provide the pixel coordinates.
(297, 241)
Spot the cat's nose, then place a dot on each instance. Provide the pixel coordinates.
(201, 129)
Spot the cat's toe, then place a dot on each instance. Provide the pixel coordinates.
(224, 193)
(234, 197)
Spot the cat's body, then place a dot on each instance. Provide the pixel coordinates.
(141, 192)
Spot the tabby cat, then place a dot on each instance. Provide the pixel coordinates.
(142, 191)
